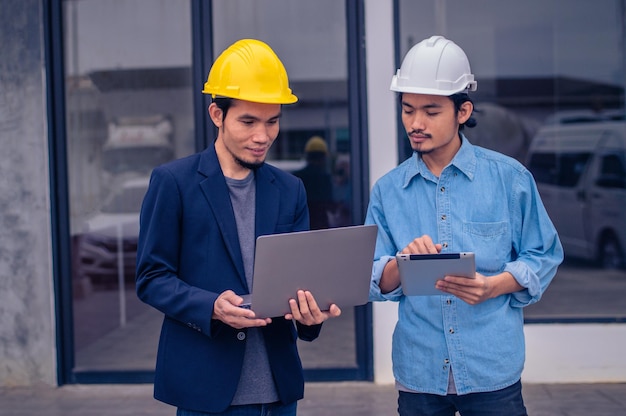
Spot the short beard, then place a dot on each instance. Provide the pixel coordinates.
(249, 165)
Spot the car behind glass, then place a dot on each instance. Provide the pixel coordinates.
(107, 246)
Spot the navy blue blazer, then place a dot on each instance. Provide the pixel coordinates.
(188, 254)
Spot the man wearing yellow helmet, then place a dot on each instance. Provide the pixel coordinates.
(317, 182)
(199, 222)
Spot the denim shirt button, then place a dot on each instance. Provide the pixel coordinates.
(241, 336)
(451, 330)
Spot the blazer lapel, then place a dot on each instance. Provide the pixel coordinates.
(216, 192)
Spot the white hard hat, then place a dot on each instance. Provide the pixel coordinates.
(435, 66)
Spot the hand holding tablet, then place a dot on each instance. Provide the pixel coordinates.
(419, 272)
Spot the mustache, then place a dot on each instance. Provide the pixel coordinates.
(420, 132)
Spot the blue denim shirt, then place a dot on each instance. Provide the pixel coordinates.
(483, 202)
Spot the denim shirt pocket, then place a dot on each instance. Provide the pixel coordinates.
(490, 242)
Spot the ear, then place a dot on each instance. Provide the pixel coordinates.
(216, 115)
(465, 112)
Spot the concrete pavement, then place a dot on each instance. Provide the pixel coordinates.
(321, 399)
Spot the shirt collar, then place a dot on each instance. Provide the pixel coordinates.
(464, 161)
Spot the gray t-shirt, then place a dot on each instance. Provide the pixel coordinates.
(256, 384)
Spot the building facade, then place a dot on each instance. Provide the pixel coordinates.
(94, 94)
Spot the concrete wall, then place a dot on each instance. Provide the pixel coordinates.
(27, 343)
(383, 150)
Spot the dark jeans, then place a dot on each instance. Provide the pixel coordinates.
(271, 409)
(505, 402)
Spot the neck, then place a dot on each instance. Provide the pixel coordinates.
(436, 161)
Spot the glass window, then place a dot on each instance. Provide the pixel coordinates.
(129, 108)
(543, 167)
(613, 166)
(314, 140)
(570, 168)
(551, 67)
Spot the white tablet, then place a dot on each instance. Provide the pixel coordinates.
(419, 272)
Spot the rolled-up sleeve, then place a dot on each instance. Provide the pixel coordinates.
(385, 249)
(538, 246)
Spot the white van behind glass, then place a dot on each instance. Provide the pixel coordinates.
(137, 144)
(580, 169)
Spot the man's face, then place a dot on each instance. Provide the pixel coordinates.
(245, 134)
(432, 124)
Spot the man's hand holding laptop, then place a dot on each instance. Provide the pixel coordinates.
(306, 311)
(227, 308)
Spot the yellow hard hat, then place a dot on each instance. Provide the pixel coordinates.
(316, 144)
(249, 70)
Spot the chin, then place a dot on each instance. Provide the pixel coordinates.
(252, 165)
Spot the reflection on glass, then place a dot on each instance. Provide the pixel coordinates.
(314, 140)
(129, 108)
(317, 182)
(551, 98)
(579, 168)
(137, 144)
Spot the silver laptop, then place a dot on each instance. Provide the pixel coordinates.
(419, 272)
(335, 264)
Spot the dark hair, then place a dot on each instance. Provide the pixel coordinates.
(458, 99)
(223, 103)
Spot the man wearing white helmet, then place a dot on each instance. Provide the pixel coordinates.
(462, 350)
(199, 222)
